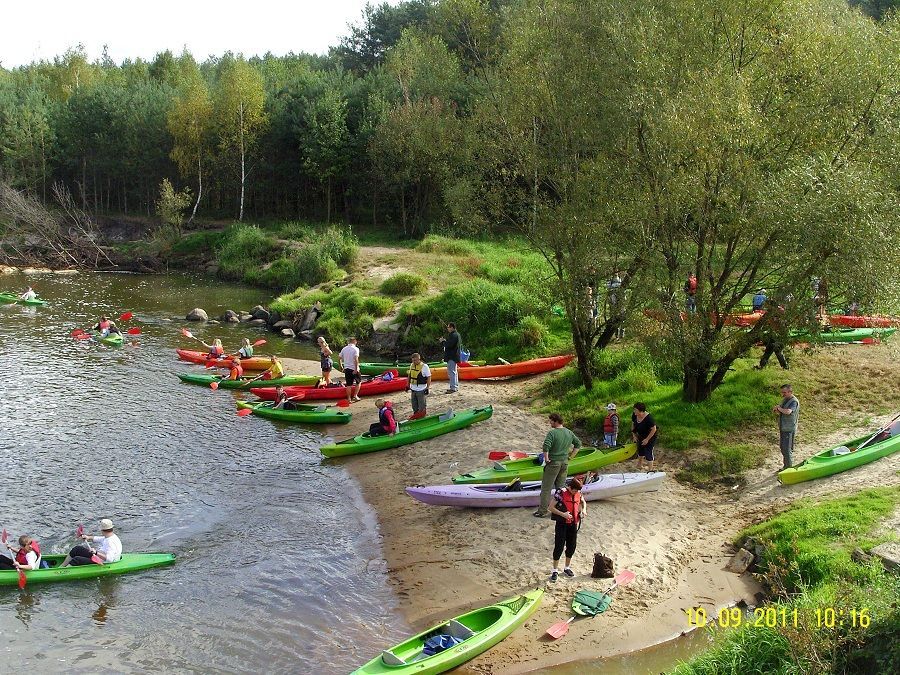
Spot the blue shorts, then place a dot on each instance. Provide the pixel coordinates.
(610, 439)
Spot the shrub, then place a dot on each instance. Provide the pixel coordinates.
(296, 230)
(197, 242)
(377, 306)
(531, 332)
(404, 283)
(337, 243)
(243, 248)
(437, 244)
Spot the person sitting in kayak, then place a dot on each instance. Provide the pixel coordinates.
(237, 370)
(27, 556)
(107, 549)
(386, 424)
(29, 294)
(275, 370)
(105, 326)
(282, 401)
(215, 350)
(246, 350)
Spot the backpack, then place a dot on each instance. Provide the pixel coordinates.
(603, 567)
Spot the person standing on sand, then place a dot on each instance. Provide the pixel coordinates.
(349, 357)
(568, 511)
(560, 446)
(452, 355)
(325, 361)
(611, 426)
(644, 433)
(788, 416)
(419, 375)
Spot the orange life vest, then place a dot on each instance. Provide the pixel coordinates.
(571, 503)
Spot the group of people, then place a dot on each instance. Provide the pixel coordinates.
(561, 496)
(103, 549)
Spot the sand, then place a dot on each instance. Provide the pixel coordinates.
(444, 561)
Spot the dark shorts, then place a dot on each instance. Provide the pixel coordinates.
(327, 364)
(352, 377)
(646, 451)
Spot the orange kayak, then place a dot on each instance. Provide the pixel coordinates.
(851, 321)
(253, 363)
(532, 367)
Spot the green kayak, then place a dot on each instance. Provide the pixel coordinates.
(587, 459)
(130, 562)
(846, 335)
(402, 368)
(409, 432)
(6, 298)
(303, 413)
(114, 339)
(827, 463)
(478, 631)
(245, 382)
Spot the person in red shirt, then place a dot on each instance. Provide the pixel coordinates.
(387, 423)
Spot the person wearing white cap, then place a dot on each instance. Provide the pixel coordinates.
(107, 549)
(611, 426)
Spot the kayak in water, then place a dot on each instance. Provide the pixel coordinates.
(129, 562)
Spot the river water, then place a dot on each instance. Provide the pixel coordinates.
(279, 565)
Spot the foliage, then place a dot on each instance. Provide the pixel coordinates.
(433, 243)
(242, 249)
(404, 284)
(171, 205)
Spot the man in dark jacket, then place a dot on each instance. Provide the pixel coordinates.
(452, 348)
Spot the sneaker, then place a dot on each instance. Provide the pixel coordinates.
(356, 399)
(554, 575)
(451, 391)
(538, 514)
(568, 572)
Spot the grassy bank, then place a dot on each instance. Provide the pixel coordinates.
(808, 565)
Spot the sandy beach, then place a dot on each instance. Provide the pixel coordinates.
(677, 540)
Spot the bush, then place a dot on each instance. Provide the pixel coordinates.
(197, 242)
(243, 248)
(377, 306)
(337, 243)
(437, 244)
(531, 333)
(404, 283)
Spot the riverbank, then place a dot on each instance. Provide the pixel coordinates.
(678, 540)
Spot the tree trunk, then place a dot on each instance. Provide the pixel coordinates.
(696, 387)
(199, 189)
(583, 353)
(243, 174)
(328, 200)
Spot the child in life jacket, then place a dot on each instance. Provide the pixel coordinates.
(386, 424)
(568, 511)
(27, 556)
(611, 426)
(216, 350)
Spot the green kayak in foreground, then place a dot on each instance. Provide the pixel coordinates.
(303, 413)
(113, 339)
(130, 562)
(587, 459)
(827, 463)
(402, 368)
(6, 298)
(479, 630)
(409, 432)
(245, 382)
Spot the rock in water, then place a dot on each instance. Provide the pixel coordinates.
(287, 332)
(278, 325)
(274, 317)
(256, 322)
(197, 314)
(230, 316)
(260, 312)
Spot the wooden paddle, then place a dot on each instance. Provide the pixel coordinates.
(503, 454)
(560, 628)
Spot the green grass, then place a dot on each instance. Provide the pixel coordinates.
(404, 284)
(807, 563)
(346, 311)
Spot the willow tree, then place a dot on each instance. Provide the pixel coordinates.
(239, 111)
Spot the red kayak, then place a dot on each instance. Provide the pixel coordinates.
(253, 363)
(336, 391)
(849, 321)
(532, 367)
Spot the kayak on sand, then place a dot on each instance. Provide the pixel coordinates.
(843, 457)
(469, 634)
(253, 363)
(300, 414)
(372, 368)
(335, 391)
(244, 382)
(495, 495)
(587, 459)
(531, 367)
(411, 431)
(853, 321)
(846, 335)
(130, 562)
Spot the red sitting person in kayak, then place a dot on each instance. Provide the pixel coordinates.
(26, 557)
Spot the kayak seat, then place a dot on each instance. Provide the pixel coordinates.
(321, 408)
(449, 415)
(392, 659)
(458, 630)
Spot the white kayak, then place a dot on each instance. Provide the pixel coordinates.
(495, 495)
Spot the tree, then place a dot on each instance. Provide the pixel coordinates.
(189, 122)
(239, 113)
(381, 28)
(170, 205)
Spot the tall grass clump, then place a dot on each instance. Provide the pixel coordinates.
(434, 243)
(242, 249)
(404, 284)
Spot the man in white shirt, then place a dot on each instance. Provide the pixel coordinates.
(349, 358)
(29, 294)
(419, 381)
(107, 547)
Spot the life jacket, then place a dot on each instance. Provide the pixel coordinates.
(570, 503)
(691, 284)
(245, 352)
(386, 418)
(104, 325)
(21, 555)
(276, 371)
(236, 372)
(415, 374)
(281, 398)
(608, 425)
(216, 351)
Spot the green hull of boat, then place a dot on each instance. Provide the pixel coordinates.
(825, 464)
(587, 459)
(481, 628)
(402, 368)
(408, 432)
(304, 414)
(848, 335)
(130, 562)
(245, 382)
(113, 339)
(8, 299)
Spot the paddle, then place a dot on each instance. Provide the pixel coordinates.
(134, 331)
(502, 454)
(79, 531)
(249, 382)
(560, 628)
(243, 412)
(4, 537)
(127, 316)
(84, 336)
(882, 429)
(188, 334)
(77, 331)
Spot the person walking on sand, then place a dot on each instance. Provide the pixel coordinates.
(560, 445)
(568, 510)
(788, 416)
(349, 358)
(325, 361)
(452, 355)
(611, 426)
(419, 381)
(644, 432)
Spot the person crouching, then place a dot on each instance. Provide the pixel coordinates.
(387, 423)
